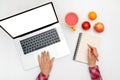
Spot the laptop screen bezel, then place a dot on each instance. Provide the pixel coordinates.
(57, 21)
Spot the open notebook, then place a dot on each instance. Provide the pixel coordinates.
(81, 51)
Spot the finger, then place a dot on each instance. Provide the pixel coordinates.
(90, 46)
(89, 52)
(45, 56)
(52, 60)
(95, 52)
(42, 57)
(48, 56)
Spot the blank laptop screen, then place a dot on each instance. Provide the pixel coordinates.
(30, 20)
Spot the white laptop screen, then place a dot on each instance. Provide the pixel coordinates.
(29, 20)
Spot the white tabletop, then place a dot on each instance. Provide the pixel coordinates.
(65, 68)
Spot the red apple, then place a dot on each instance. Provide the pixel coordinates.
(99, 27)
(86, 25)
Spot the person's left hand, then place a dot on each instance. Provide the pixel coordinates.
(45, 63)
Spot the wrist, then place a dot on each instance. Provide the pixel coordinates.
(45, 74)
(93, 65)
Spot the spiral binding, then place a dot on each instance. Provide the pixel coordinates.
(77, 45)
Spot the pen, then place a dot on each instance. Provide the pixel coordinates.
(93, 52)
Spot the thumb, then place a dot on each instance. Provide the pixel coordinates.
(52, 60)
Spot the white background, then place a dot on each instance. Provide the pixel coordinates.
(65, 68)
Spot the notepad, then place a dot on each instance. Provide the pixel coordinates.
(81, 51)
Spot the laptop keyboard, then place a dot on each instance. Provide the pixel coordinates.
(39, 41)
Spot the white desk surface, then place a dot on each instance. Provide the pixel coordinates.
(65, 68)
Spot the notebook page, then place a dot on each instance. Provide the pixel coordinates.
(82, 52)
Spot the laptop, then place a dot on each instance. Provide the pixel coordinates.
(34, 31)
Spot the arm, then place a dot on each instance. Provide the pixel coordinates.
(93, 68)
(95, 73)
(42, 76)
(45, 64)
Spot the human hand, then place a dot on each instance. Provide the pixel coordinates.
(92, 56)
(45, 63)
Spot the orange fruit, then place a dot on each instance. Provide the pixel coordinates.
(92, 15)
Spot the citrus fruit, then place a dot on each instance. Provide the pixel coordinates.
(92, 15)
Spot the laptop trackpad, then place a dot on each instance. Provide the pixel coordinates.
(28, 61)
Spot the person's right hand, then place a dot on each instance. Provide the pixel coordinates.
(92, 56)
